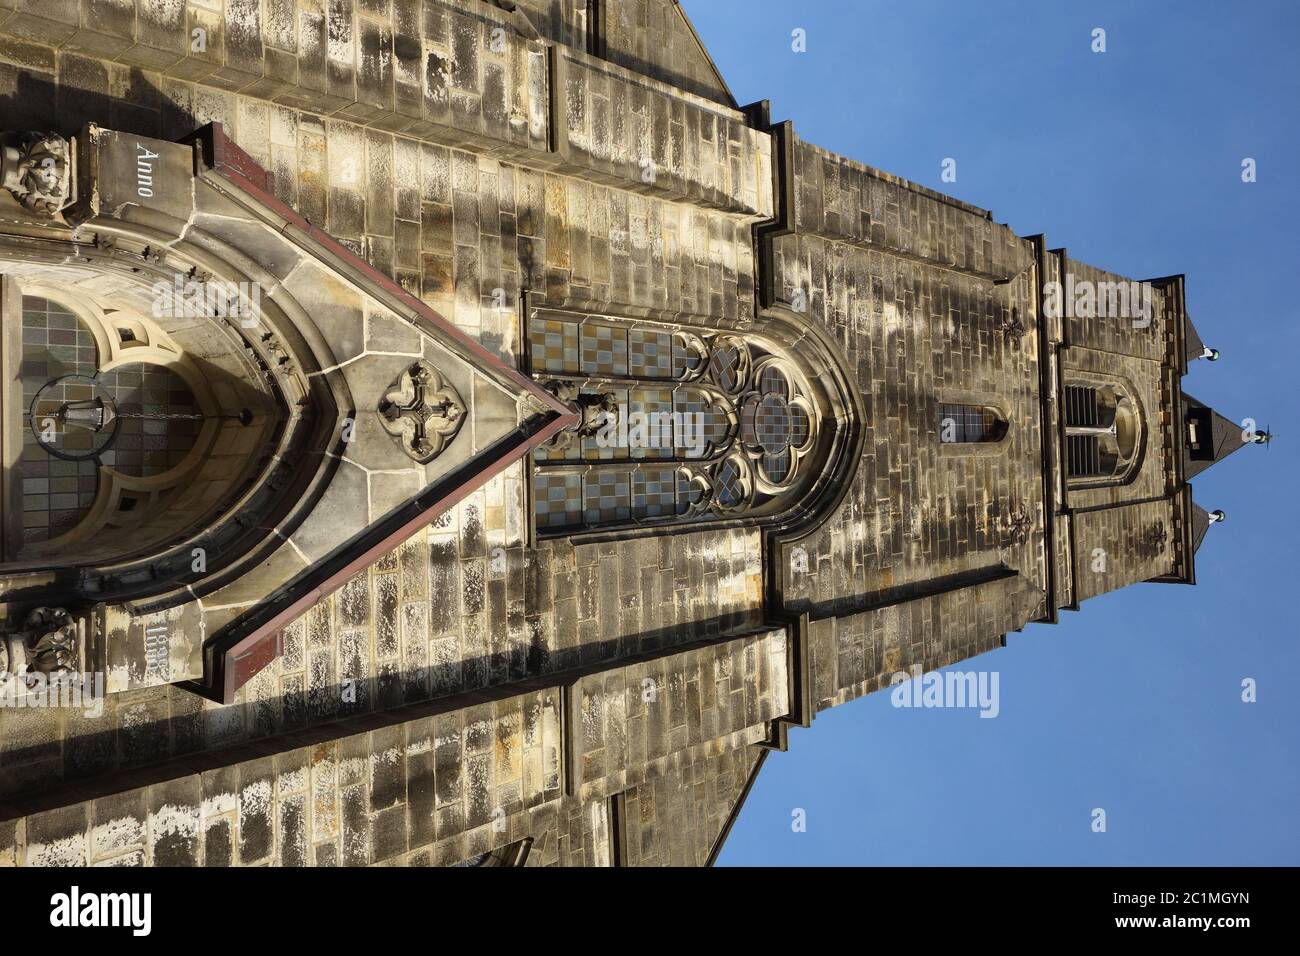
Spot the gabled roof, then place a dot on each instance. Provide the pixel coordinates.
(1217, 437)
(1200, 525)
(503, 431)
(705, 56)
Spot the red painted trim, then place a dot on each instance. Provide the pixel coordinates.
(228, 156)
(270, 630)
(244, 659)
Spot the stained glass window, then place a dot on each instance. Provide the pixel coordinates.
(678, 424)
(970, 423)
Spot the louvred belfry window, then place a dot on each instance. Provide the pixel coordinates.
(1082, 450)
(1102, 431)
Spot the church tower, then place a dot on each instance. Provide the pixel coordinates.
(458, 432)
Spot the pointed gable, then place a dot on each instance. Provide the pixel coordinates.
(1210, 437)
(657, 38)
(410, 414)
(1200, 525)
(407, 360)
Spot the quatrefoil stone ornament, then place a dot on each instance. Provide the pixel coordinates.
(422, 412)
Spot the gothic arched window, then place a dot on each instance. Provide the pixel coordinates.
(678, 423)
(965, 424)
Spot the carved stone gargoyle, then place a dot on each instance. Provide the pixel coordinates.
(47, 643)
(37, 169)
(597, 409)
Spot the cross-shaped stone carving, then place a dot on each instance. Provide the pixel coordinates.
(421, 412)
(1154, 536)
(1018, 525)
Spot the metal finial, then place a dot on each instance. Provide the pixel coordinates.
(1217, 515)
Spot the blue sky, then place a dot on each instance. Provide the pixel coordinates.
(1132, 160)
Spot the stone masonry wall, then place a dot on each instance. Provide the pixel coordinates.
(1119, 546)
(560, 21)
(846, 201)
(689, 797)
(898, 274)
(420, 133)
(455, 226)
(1124, 335)
(437, 617)
(718, 697)
(918, 336)
(654, 37)
(859, 654)
(468, 778)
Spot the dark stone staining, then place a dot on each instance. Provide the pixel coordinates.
(387, 769)
(326, 854)
(388, 833)
(218, 842)
(293, 831)
(256, 805)
(62, 825)
(174, 822)
(420, 798)
(356, 825)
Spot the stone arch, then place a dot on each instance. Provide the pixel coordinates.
(783, 423)
(145, 290)
(330, 483)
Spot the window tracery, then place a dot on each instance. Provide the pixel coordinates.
(115, 419)
(678, 424)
